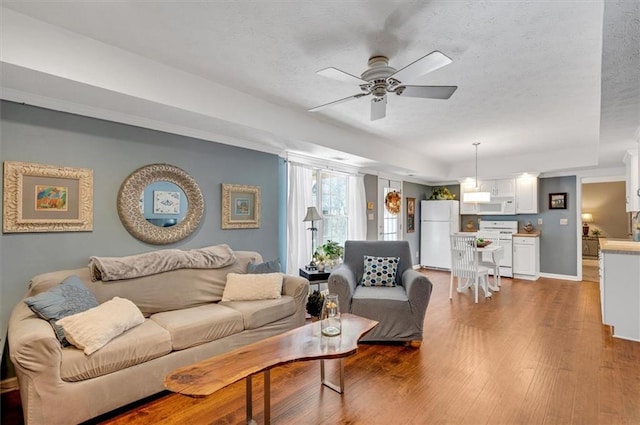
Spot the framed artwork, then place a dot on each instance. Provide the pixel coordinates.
(46, 198)
(240, 206)
(411, 215)
(166, 202)
(558, 201)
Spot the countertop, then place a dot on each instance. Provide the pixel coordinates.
(622, 246)
(534, 234)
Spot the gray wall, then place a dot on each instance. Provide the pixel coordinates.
(371, 191)
(113, 151)
(558, 253)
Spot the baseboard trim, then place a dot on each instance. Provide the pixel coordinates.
(10, 384)
(560, 276)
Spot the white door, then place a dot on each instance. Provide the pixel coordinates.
(435, 246)
(389, 224)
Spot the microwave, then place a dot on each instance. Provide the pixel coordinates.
(497, 206)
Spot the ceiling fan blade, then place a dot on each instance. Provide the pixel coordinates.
(335, 102)
(425, 64)
(378, 108)
(336, 74)
(429, 92)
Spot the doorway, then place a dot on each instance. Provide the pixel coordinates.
(389, 218)
(603, 212)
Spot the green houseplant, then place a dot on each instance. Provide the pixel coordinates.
(314, 304)
(441, 193)
(328, 253)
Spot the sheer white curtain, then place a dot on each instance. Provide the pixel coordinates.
(299, 199)
(357, 209)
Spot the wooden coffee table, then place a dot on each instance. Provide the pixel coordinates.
(301, 344)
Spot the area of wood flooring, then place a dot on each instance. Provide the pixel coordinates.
(535, 353)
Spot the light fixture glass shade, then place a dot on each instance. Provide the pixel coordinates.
(312, 214)
(476, 197)
(587, 218)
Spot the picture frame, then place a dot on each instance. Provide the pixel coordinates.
(46, 198)
(558, 201)
(241, 206)
(411, 215)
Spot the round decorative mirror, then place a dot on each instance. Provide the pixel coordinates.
(160, 204)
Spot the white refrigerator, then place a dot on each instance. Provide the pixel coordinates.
(438, 220)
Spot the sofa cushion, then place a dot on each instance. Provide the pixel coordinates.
(246, 287)
(92, 329)
(197, 325)
(140, 344)
(260, 312)
(173, 290)
(380, 271)
(70, 297)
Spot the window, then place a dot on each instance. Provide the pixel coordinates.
(330, 194)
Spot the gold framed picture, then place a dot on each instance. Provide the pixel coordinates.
(241, 206)
(46, 198)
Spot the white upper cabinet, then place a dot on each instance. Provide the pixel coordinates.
(502, 188)
(527, 195)
(632, 180)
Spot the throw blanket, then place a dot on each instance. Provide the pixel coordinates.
(117, 268)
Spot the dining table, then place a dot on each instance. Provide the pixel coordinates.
(495, 254)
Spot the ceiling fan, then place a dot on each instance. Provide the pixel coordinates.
(381, 79)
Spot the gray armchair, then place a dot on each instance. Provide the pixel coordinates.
(400, 310)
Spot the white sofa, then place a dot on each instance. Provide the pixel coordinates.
(185, 322)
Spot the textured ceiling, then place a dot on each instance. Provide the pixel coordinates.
(535, 78)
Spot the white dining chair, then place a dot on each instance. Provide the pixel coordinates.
(487, 259)
(465, 265)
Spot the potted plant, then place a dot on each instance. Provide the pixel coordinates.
(441, 193)
(314, 304)
(329, 253)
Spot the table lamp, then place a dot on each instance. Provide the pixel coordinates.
(586, 219)
(312, 216)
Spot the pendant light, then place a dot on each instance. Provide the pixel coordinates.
(476, 196)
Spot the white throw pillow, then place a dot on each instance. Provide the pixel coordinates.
(245, 287)
(93, 328)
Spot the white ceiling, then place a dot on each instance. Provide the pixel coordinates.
(544, 86)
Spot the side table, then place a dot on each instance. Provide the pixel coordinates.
(314, 276)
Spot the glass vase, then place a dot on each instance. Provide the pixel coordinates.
(330, 318)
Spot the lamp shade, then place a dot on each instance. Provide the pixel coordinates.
(587, 218)
(477, 197)
(312, 214)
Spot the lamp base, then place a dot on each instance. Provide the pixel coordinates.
(585, 230)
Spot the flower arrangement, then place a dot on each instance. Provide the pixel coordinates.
(441, 193)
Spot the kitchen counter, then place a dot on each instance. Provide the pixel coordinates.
(534, 234)
(620, 246)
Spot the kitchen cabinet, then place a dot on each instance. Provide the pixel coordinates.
(632, 181)
(620, 288)
(526, 257)
(501, 188)
(527, 195)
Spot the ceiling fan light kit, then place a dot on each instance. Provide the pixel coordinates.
(380, 79)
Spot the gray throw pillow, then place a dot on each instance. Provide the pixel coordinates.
(70, 297)
(272, 266)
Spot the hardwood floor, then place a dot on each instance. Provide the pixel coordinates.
(535, 353)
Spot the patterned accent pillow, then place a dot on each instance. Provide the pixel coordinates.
(272, 266)
(380, 271)
(70, 297)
